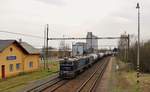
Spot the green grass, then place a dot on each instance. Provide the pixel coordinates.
(16, 83)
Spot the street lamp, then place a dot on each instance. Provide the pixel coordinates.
(138, 49)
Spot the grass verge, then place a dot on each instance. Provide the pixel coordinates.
(14, 84)
(123, 79)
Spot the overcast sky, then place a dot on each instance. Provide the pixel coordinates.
(72, 18)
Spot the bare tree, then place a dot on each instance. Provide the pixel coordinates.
(63, 49)
(122, 46)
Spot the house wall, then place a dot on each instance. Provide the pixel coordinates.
(28, 59)
(77, 50)
(21, 58)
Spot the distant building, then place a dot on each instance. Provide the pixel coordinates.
(17, 57)
(80, 48)
(64, 53)
(92, 43)
(123, 43)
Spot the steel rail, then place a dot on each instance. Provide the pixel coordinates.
(92, 88)
(41, 86)
(55, 88)
(102, 66)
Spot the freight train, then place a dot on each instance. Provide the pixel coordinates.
(71, 67)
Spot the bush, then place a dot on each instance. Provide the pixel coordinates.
(144, 56)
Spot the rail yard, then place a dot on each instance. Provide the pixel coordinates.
(74, 46)
(84, 82)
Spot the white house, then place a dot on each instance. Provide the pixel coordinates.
(80, 48)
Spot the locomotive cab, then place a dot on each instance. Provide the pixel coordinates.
(67, 68)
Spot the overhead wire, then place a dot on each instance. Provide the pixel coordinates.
(29, 35)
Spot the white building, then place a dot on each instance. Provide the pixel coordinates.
(92, 43)
(80, 48)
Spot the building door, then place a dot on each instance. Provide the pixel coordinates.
(3, 71)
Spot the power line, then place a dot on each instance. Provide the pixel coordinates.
(83, 38)
(29, 35)
(70, 38)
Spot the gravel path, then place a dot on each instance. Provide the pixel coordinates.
(102, 86)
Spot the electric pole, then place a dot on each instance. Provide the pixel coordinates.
(138, 49)
(47, 29)
(44, 49)
(128, 46)
(91, 43)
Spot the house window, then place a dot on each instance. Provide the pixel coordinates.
(17, 66)
(30, 64)
(11, 67)
(11, 49)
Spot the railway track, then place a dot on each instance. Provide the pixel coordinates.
(43, 86)
(57, 83)
(90, 84)
(54, 87)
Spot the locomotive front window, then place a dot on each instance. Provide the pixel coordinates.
(66, 68)
(67, 63)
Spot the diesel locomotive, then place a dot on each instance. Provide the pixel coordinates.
(71, 67)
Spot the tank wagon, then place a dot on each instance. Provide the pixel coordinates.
(71, 67)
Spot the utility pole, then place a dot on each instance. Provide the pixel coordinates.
(64, 48)
(44, 49)
(138, 49)
(83, 50)
(77, 50)
(128, 46)
(72, 49)
(126, 49)
(91, 44)
(47, 29)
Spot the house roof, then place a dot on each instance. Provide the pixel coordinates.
(30, 49)
(24, 46)
(5, 43)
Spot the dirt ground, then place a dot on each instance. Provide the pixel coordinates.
(119, 80)
(102, 85)
(122, 79)
(145, 82)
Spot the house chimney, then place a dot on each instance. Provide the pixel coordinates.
(20, 40)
